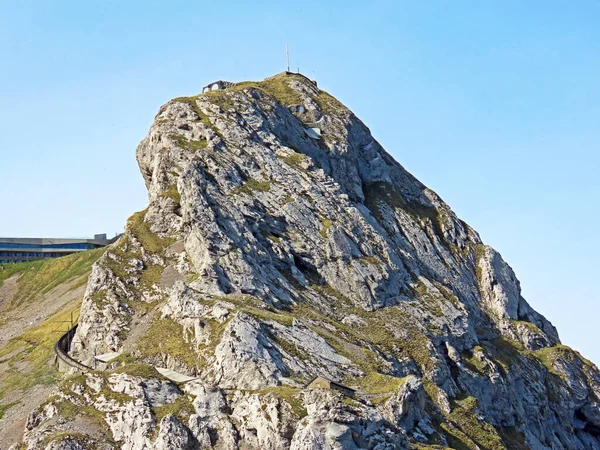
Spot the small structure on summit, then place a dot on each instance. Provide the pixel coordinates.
(217, 86)
(324, 383)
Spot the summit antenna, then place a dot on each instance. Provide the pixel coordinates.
(287, 55)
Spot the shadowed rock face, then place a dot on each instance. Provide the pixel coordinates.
(267, 257)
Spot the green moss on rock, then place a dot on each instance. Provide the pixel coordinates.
(142, 232)
(166, 336)
(483, 434)
(251, 186)
(375, 383)
(289, 394)
(326, 224)
(188, 144)
(172, 193)
(181, 408)
(295, 160)
(472, 362)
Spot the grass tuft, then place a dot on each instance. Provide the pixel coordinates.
(290, 395)
(483, 434)
(149, 240)
(472, 362)
(221, 98)
(166, 336)
(172, 193)
(295, 160)
(375, 383)
(288, 199)
(251, 186)
(189, 144)
(181, 408)
(326, 224)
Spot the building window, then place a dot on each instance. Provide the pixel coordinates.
(1, 253)
(39, 255)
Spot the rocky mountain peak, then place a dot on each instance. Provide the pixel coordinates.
(282, 243)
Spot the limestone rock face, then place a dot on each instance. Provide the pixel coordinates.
(500, 288)
(174, 435)
(406, 407)
(281, 244)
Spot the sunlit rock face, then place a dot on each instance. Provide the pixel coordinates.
(281, 244)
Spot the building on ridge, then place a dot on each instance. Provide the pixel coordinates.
(15, 250)
(324, 383)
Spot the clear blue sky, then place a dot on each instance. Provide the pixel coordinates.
(495, 105)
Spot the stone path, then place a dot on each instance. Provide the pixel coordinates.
(174, 376)
(107, 357)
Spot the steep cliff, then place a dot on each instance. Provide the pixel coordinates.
(282, 243)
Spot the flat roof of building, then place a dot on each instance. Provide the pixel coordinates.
(54, 243)
(51, 241)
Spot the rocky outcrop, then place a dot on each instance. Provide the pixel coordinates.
(406, 407)
(269, 256)
(331, 423)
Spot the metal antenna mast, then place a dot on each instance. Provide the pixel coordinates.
(287, 54)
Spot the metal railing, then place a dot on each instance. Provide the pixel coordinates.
(62, 347)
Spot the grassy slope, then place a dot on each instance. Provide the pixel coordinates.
(27, 360)
(39, 277)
